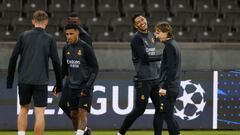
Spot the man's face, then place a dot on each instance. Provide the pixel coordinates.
(141, 23)
(72, 35)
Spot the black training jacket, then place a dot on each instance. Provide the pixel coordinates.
(79, 63)
(35, 47)
(171, 66)
(144, 57)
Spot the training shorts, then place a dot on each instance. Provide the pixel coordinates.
(39, 93)
(77, 101)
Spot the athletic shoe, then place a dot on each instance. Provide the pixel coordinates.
(88, 132)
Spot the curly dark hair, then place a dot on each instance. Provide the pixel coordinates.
(71, 26)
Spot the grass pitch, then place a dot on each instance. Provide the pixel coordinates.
(135, 132)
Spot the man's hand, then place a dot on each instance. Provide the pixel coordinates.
(55, 91)
(83, 94)
(162, 92)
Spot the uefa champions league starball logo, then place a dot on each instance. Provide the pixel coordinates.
(190, 102)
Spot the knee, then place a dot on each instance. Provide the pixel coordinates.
(24, 109)
(39, 110)
(139, 110)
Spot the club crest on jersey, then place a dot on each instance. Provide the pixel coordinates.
(68, 53)
(142, 97)
(79, 53)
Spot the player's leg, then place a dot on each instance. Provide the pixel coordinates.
(40, 94)
(64, 100)
(142, 94)
(77, 102)
(73, 102)
(77, 123)
(173, 127)
(39, 125)
(74, 116)
(25, 95)
(83, 110)
(82, 121)
(22, 119)
(158, 123)
(158, 116)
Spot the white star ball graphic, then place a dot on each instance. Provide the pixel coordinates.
(190, 91)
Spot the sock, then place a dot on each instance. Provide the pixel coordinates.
(21, 132)
(80, 132)
(84, 130)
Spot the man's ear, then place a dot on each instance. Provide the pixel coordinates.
(78, 32)
(46, 22)
(33, 22)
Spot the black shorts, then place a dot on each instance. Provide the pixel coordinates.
(38, 92)
(76, 101)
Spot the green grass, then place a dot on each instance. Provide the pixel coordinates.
(135, 132)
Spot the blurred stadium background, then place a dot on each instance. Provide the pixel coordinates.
(110, 20)
(207, 30)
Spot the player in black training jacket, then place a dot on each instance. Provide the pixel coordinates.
(35, 47)
(169, 78)
(83, 35)
(147, 65)
(80, 65)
